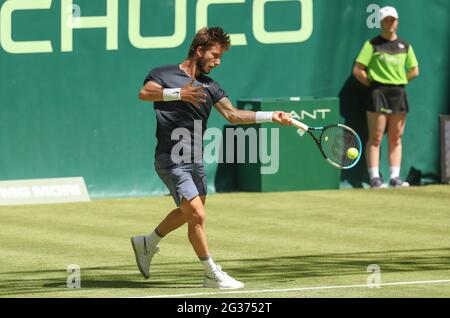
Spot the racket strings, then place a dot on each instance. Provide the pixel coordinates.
(336, 141)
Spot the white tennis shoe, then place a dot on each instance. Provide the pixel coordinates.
(143, 253)
(220, 279)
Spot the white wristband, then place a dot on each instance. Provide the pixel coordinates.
(263, 117)
(170, 94)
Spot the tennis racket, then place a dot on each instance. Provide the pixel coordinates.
(334, 142)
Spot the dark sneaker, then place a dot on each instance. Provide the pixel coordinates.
(377, 183)
(398, 183)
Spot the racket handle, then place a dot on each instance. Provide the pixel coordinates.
(304, 128)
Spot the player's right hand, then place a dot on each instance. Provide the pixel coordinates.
(282, 118)
(194, 95)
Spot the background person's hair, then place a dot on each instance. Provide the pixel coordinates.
(207, 37)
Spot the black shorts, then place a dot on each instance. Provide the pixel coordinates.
(387, 99)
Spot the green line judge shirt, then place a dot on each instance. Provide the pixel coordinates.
(387, 61)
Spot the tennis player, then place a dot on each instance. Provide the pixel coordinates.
(183, 96)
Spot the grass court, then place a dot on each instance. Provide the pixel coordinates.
(290, 244)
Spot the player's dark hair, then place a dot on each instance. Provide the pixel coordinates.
(208, 37)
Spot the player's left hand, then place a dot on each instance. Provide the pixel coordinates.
(281, 118)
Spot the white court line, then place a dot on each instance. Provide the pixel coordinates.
(295, 289)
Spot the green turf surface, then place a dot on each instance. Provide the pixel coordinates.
(267, 240)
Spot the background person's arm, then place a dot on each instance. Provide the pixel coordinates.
(360, 73)
(413, 73)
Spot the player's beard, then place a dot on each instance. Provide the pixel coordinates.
(202, 66)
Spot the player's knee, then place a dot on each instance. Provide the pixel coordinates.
(198, 217)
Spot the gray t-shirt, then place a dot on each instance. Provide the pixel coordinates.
(180, 114)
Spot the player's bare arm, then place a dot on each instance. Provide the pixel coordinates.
(360, 73)
(413, 73)
(239, 116)
(153, 92)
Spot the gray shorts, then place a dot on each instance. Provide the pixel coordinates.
(184, 180)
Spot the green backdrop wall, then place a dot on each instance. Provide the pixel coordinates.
(69, 107)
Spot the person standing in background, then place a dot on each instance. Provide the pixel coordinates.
(386, 64)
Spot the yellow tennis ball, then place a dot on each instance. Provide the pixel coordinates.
(352, 153)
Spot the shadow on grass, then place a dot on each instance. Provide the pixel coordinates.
(291, 268)
(189, 274)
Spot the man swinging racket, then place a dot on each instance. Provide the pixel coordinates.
(182, 94)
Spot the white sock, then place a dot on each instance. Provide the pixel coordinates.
(209, 264)
(395, 172)
(153, 239)
(374, 172)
